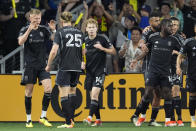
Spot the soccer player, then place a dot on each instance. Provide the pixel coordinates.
(189, 50)
(162, 45)
(34, 38)
(154, 27)
(68, 40)
(96, 48)
(176, 102)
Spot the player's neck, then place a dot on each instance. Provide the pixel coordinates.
(162, 34)
(67, 24)
(91, 37)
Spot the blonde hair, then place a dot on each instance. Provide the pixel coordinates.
(66, 16)
(34, 12)
(92, 21)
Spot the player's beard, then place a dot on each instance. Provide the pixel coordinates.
(157, 28)
(167, 32)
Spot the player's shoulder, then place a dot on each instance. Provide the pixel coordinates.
(103, 36)
(189, 40)
(43, 27)
(156, 34)
(148, 32)
(24, 28)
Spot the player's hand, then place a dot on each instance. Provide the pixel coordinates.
(143, 47)
(175, 52)
(146, 29)
(133, 64)
(32, 25)
(98, 46)
(85, 5)
(83, 66)
(178, 71)
(52, 25)
(47, 68)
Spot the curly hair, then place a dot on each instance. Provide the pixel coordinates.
(66, 16)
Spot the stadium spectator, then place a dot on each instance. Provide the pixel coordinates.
(165, 10)
(176, 12)
(129, 50)
(145, 13)
(118, 33)
(34, 38)
(128, 11)
(189, 14)
(104, 19)
(96, 48)
(189, 50)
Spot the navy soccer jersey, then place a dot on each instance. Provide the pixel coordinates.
(189, 49)
(95, 58)
(70, 42)
(161, 53)
(35, 46)
(179, 44)
(145, 37)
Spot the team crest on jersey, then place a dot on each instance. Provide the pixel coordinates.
(169, 43)
(41, 34)
(97, 42)
(194, 48)
(30, 35)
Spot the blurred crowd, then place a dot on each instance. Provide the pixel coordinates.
(121, 20)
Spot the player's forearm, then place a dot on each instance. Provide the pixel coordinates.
(51, 58)
(53, 53)
(22, 39)
(179, 61)
(111, 51)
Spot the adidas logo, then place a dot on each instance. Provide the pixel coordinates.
(194, 48)
(156, 42)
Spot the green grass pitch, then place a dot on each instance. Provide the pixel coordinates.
(80, 127)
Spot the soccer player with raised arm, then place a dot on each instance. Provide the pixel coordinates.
(34, 38)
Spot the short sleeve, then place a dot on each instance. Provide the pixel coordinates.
(57, 38)
(22, 31)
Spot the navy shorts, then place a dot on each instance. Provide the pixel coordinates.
(30, 75)
(67, 78)
(191, 85)
(94, 80)
(156, 79)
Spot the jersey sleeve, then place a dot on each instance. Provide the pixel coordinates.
(184, 48)
(57, 38)
(48, 33)
(107, 42)
(145, 36)
(22, 31)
